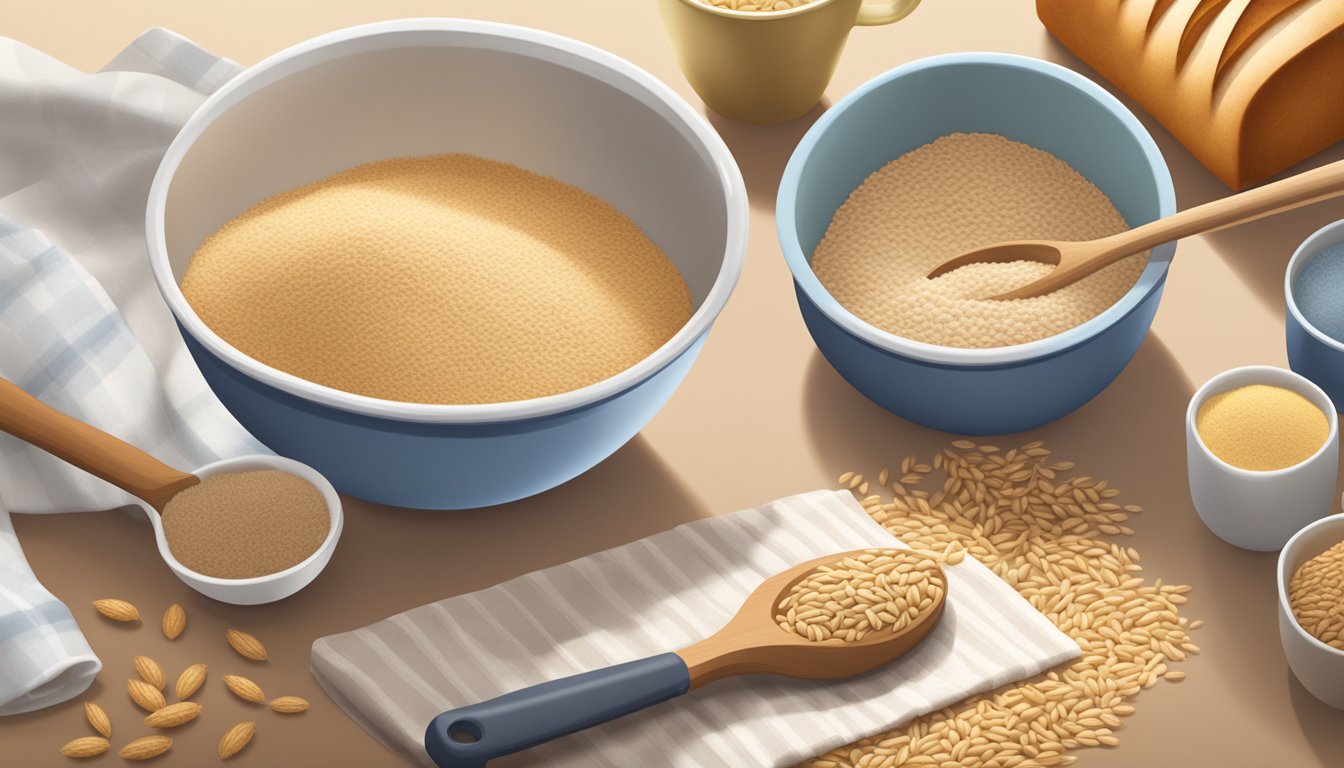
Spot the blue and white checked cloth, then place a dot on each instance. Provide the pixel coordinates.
(82, 326)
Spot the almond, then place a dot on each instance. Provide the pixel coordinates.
(246, 645)
(244, 689)
(190, 681)
(289, 705)
(174, 621)
(117, 610)
(88, 746)
(174, 715)
(149, 671)
(146, 747)
(98, 719)
(145, 695)
(237, 738)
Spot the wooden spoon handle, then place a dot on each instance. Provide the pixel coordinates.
(89, 448)
(1305, 188)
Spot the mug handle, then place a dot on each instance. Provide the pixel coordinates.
(874, 12)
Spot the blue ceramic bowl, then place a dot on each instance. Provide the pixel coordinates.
(427, 86)
(975, 391)
(1311, 352)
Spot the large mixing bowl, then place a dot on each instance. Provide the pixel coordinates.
(975, 391)
(426, 86)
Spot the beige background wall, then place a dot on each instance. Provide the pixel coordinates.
(761, 416)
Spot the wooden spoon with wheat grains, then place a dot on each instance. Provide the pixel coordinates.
(886, 601)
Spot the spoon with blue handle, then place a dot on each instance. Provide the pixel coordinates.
(752, 643)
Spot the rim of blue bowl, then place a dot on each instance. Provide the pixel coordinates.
(806, 279)
(1333, 235)
(557, 49)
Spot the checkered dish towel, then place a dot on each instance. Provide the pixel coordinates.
(663, 593)
(82, 326)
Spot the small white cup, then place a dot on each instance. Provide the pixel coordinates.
(1252, 509)
(1319, 667)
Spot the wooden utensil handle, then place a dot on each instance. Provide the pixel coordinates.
(1305, 188)
(89, 448)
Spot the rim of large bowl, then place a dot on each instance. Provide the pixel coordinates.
(786, 222)
(1333, 237)
(557, 49)
(1284, 579)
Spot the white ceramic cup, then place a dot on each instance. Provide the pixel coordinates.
(1252, 509)
(1319, 667)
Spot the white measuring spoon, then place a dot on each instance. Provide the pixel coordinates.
(154, 483)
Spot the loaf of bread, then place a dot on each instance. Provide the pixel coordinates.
(1250, 87)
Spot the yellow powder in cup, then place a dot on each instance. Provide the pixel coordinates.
(960, 192)
(445, 279)
(244, 524)
(1261, 428)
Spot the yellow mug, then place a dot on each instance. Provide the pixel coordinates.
(767, 66)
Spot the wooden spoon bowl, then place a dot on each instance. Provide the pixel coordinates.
(752, 643)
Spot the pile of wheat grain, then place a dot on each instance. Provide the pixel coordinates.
(1048, 536)
(873, 591)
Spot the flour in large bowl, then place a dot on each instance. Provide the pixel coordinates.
(960, 192)
(449, 279)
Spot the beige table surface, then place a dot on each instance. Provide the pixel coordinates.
(760, 416)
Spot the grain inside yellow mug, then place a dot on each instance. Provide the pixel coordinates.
(767, 67)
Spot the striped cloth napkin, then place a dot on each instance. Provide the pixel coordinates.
(82, 326)
(663, 593)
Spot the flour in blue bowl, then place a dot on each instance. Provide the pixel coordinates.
(1319, 292)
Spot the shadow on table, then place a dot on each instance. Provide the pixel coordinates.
(391, 559)
(1319, 722)
(848, 431)
(762, 151)
(1258, 251)
(633, 494)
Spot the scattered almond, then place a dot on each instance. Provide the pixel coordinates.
(87, 746)
(149, 671)
(146, 747)
(98, 719)
(246, 645)
(244, 689)
(190, 681)
(174, 715)
(145, 695)
(117, 610)
(237, 738)
(289, 705)
(174, 621)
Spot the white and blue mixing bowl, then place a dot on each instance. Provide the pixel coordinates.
(975, 391)
(427, 86)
